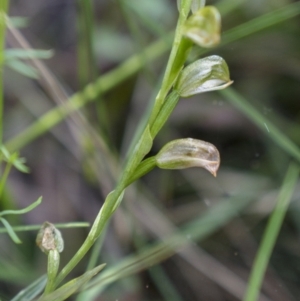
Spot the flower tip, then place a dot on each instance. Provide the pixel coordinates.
(229, 83)
(213, 167)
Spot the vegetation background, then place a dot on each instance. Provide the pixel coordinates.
(74, 164)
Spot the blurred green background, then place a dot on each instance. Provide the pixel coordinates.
(75, 164)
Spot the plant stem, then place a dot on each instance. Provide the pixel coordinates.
(165, 112)
(53, 265)
(37, 227)
(86, 58)
(3, 16)
(141, 149)
(168, 79)
(4, 177)
(143, 168)
(97, 228)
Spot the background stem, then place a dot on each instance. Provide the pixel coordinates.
(3, 16)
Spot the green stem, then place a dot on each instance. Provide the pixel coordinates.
(96, 251)
(97, 228)
(164, 113)
(37, 227)
(271, 233)
(3, 16)
(169, 76)
(143, 168)
(85, 56)
(110, 203)
(4, 177)
(141, 149)
(53, 265)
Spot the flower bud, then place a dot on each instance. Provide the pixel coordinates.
(49, 238)
(204, 27)
(185, 153)
(207, 74)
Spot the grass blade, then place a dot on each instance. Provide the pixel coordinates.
(10, 231)
(271, 233)
(37, 227)
(133, 65)
(72, 286)
(262, 122)
(197, 230)
(31, 291)
(22, 211)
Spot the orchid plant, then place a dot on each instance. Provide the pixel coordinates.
(198, 25)
(201, 28)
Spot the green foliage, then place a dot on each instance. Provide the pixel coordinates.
(6, 224)
(31, 291)
(94, 125)
(72, 286)
(271, 233)
(14, 159)
(12, 59)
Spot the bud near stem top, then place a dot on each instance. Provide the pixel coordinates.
(49, 238)
(204, 27)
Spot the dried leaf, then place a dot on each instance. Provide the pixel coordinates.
(49, 238)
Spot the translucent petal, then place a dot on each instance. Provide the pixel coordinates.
(196, 5)
(185, 153)
(207, 74)
(204, 27)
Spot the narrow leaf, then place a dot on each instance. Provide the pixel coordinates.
(21, 53)
(72, 286)
(31, 291)
(18, 22)
(22, 211)
(10, 231)
(141, 149)
(19, 165)
(5, 152)
(271, 233)
(22, 68)
(260, 120)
